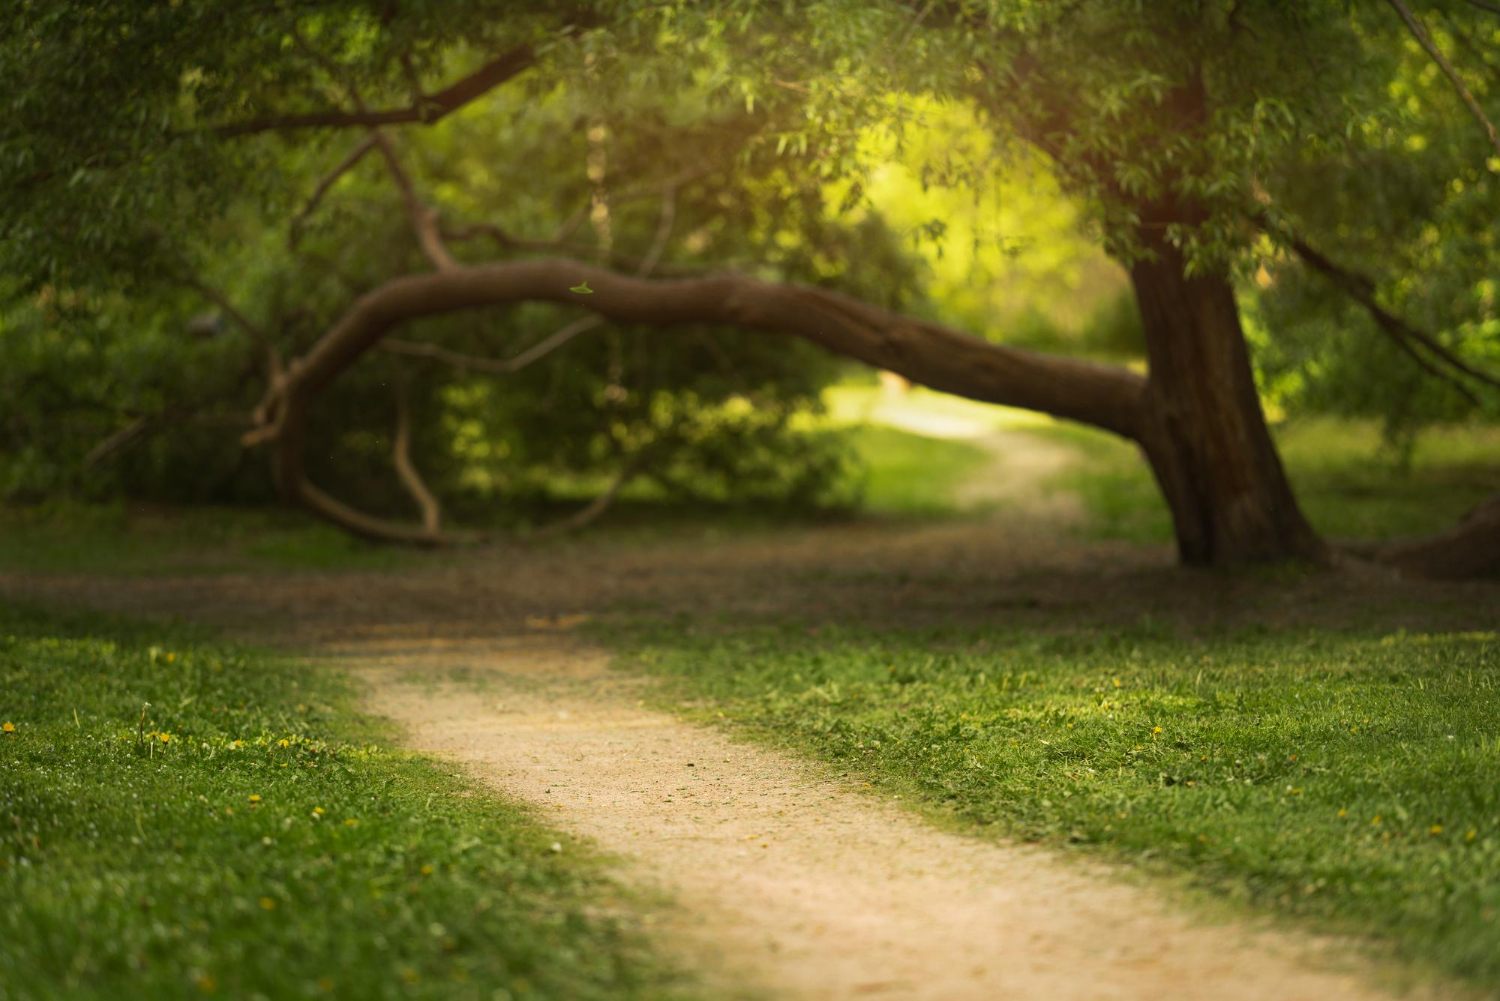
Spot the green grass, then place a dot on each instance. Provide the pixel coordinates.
(253, 836)
(139, 541)
(1348, 484)
(907, 475)
(1348, 779)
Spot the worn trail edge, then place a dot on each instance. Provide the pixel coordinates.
(791, 881)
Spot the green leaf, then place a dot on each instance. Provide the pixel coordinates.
(582, 288)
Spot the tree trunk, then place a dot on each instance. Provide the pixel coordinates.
(1203, 431)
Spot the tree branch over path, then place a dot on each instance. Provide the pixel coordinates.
(425, 110)
(928, 353)
(1424, 39)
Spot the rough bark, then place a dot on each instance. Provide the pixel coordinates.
(1203, 430)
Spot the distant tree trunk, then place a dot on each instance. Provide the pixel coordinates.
(1203, 430)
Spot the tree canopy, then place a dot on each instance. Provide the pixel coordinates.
(213, 212)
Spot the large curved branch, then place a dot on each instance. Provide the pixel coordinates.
(927, 353)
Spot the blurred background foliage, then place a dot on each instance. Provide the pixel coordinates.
(847, 145)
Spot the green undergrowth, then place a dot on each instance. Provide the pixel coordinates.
(67, 537)
(909, 475)
(182, 818)
(1348, 779)
(1349, 483)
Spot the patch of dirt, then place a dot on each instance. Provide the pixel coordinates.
(788, 879)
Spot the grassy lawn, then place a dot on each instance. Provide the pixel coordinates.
(908, 475)
(1347, 779)
(137, 541)
(1349, 487)
(248, 834)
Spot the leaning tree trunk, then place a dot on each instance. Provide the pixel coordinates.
(1203, 430)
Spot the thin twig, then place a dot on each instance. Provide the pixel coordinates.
(1419, 31)
(596, 507)
(1361, 289)
(423, 219)
(341, 168)
(506, 367)
(426, 110)
(271, 358)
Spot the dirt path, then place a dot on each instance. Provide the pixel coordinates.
(790, 880)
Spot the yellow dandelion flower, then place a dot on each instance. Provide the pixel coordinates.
(255, 797)
(318, 810)
(427, 870)
(1471, 835)
(8, 728)
(1343, 813)
(171, 657)
(1155, 730)
(237, 744)
(166, 738)
(1435, 829)
(283, 742)
(1375, 819)
(267, 904)
(351, 822)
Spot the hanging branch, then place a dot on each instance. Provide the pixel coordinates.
(595, 508)
(424, 110)
(432, 511)
(340, 169)
(423, 219)
(1419, 31)
(479, 364)
(1361, 288)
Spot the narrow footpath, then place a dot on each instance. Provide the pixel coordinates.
(790, 881)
